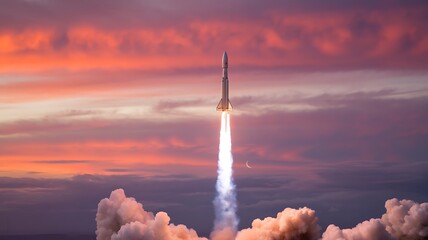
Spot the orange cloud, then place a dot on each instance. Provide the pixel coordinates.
(321, 39)
(93, 156)
(27, 41)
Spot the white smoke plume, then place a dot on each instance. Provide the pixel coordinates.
(290, 224)
(122, 218)
(226, 221)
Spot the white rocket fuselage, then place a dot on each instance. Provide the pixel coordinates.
(224, 104)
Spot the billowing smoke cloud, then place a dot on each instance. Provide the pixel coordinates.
(226, 221)
(403, 219)
(122, 218)
(289, 224)
(367, 230)
(406, 219)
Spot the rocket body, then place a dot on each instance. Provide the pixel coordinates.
(224, 104)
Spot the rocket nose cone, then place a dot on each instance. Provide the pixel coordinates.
(224, 60)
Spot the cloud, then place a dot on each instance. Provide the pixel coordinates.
(119, 217)
(406, 219)
(182, 196)
(122, 218)
(60, 161)
(403, 219)
(281, 35)
(367, 230)
(174, 107)
(289, 224)
(360, 129)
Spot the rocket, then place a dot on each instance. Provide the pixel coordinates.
(224, 104)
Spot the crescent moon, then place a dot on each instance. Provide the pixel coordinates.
(248, 166)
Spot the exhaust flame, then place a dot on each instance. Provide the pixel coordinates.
(226, 221)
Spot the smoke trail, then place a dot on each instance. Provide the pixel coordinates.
(226, 221)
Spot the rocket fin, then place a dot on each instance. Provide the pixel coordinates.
(229, 105)
(219, 105)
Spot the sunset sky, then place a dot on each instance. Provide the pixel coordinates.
(330, 108)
